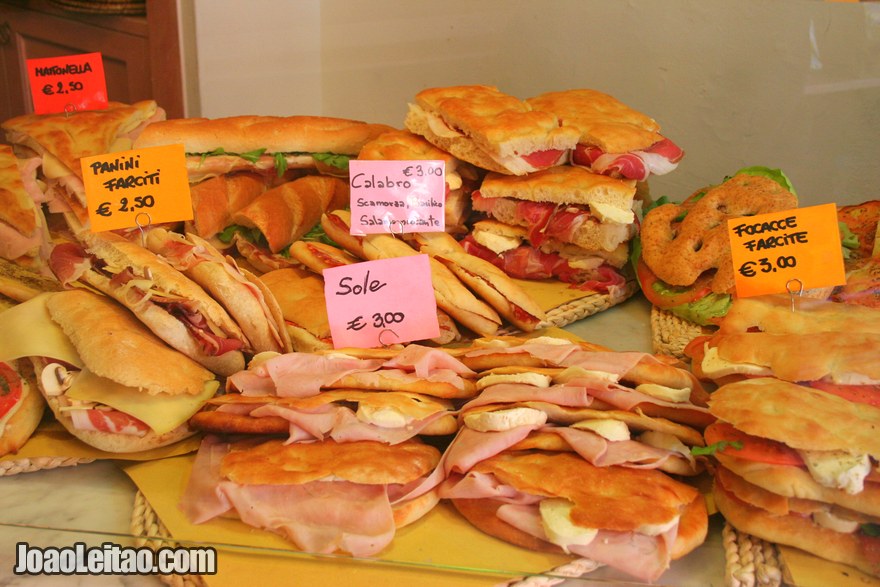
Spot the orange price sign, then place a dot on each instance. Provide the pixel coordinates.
(770, 251)
(68, 83)
(137, 187)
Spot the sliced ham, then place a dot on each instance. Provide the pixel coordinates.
(508, 393)
(424, 361)
(202, 500)
(298, 374)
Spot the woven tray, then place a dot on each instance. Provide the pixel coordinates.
(670, 334)
(750, 561)
(581, 308)
(14, 467)
(148, 530)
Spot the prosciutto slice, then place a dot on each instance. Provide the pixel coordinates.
(658, 159)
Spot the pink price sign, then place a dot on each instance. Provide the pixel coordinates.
(71, 83)
(378, 303)
(397, 196)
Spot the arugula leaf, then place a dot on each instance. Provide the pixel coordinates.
(713, 448)
(252, 156)
(252, 234)
(280, 164)
(870, 529)
(333, 160)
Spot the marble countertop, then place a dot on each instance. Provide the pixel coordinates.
(93, 502)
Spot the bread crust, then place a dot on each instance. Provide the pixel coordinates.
(22, 424)
(601, 119)
(216, 199)
(285, 213)
(115, 345)
(563, 184)
(797, 531)
(773, 313)
(300, 294)
(276, 134)
(17, 208)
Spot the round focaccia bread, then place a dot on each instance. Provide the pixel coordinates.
(794, 530)
(800, 417)
(679, 251)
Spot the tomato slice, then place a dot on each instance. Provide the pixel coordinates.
(682, 295)
(543, 159)
(762, 450)
(860, 394)
(11, 388)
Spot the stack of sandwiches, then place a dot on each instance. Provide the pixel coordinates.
(352, 420)
(798, 408)
(559, 199)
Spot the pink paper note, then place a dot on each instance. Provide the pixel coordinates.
(397, 196)
(378, 303)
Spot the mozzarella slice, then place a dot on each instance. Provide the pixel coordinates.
(501, 420)
(715, 367)
(828, 520)
(613, 430)
(529, 378)
(838, 469)
(383, 417)
(661, 392)
(560, 530)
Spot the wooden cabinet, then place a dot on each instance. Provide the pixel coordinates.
(141, 54)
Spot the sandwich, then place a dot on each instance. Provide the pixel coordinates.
(682, 257)
(61, 140)
(414, 369)
(344, 415)
(317, 256)
(232, 160)
(244, 296)
(821, 344)
(490, 129)
(488, 281)
(636, 521)
(861, 223)
(324, 497)
(21, 404)
(815, 469)
(19, 284)
(264, 229)
(173, 306)
(268, 145)
(461, 177)
(24, 235)
(96, 367)
(565, 221)
(615, 139)
(300, 295)
(451, 295)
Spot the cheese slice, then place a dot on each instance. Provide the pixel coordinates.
(161, 413)
(28, 331)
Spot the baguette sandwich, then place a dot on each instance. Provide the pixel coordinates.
(96, 367)
(300, 295)
(265, 228)
(490, 129)
(615, 139)
(173, 306)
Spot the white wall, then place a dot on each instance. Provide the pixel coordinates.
(793, 84)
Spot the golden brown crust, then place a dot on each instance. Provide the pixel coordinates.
(115, 345)
(276, 134)
(845, 357)
(481, 513)
(300, 294)
(601, 120)
(285, 213)
(563, 184)
(216, 199)
(16, 206)
(71, 136)
(679, 252)
(792, 530)
(318, 256)
(755, 406)
(773, 313)
(364, 461)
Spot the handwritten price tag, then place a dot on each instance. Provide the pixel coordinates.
(397, 196)
(68, 83)
(136, 188)
(377, 303)
(770, 250)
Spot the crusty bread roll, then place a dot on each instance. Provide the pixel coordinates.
(300, 295)
(214, 200)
